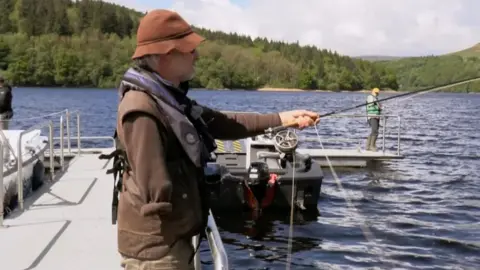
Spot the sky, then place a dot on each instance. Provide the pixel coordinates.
(350, 27)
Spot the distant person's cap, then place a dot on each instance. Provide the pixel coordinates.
(161, 31)
(2, 80)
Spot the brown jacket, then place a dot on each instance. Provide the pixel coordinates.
(160, 202)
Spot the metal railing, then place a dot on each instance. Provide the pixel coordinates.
(48, 124)
(9, 146)
(383, 119)
(2, 189)
(19, 160)
(220, 259)
(219, 255)
(66, 124)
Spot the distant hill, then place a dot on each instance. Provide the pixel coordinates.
(473, 51)
(428, 71)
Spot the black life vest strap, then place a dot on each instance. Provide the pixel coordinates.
(120, 165)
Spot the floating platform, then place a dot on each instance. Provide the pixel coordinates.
(66, 224)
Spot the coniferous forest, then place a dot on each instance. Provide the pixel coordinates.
(89, 43)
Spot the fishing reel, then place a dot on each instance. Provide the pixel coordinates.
(285, 141)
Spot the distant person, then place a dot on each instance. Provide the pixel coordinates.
(6, 97)
(374, 110)
(167, 140)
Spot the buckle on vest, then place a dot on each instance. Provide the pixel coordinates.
(196, 111)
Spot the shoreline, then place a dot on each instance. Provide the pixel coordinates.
(262, 89)
(274, 89)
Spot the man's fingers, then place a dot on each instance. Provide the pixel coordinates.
(311, 114)
(305, 121)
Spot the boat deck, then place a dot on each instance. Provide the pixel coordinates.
(348, 157)
(66, 224)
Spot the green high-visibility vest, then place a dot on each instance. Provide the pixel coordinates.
(373, 108)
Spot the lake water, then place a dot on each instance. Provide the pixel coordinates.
(423, 211)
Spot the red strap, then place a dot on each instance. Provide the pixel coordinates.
(270, 192)
(250, 198)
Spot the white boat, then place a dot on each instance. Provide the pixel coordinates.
(31, 156)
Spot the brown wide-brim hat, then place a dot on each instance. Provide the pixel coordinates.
(161, 31)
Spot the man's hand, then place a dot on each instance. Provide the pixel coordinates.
(299, 118)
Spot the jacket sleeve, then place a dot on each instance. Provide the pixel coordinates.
(146, 155)
(234, 126)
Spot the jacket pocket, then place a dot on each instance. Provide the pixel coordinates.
(183, 216)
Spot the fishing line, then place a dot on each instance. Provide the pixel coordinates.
(366, 231)
(290, 229)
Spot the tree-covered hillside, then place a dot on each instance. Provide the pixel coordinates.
(421, 72)
(89, 43)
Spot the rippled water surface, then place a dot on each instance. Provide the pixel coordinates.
(423, 212)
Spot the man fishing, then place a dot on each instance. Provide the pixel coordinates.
(167, 140)
(374, 109)
(6, 97)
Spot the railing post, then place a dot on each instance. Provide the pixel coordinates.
(383, 135)
(20, 172)
(62, 158)
(78, 133)
(69, 144)
(197, 263)
(52, 154)
(220, 259)
(398, 143)
(2, 191)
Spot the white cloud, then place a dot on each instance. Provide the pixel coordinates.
(352, 27)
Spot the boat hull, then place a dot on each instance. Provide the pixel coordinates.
(33, 154)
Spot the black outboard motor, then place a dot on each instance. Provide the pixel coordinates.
(303, 162)
(257, 179)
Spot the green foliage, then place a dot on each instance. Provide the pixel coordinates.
(473, 51)
(89, 43)
(422, 72)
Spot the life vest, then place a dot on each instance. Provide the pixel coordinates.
(185, 122)
(373, 108)
(183, 114)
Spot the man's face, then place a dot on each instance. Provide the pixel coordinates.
(183, 64)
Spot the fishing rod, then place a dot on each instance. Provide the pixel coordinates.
(273, 130)
(401, 95)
